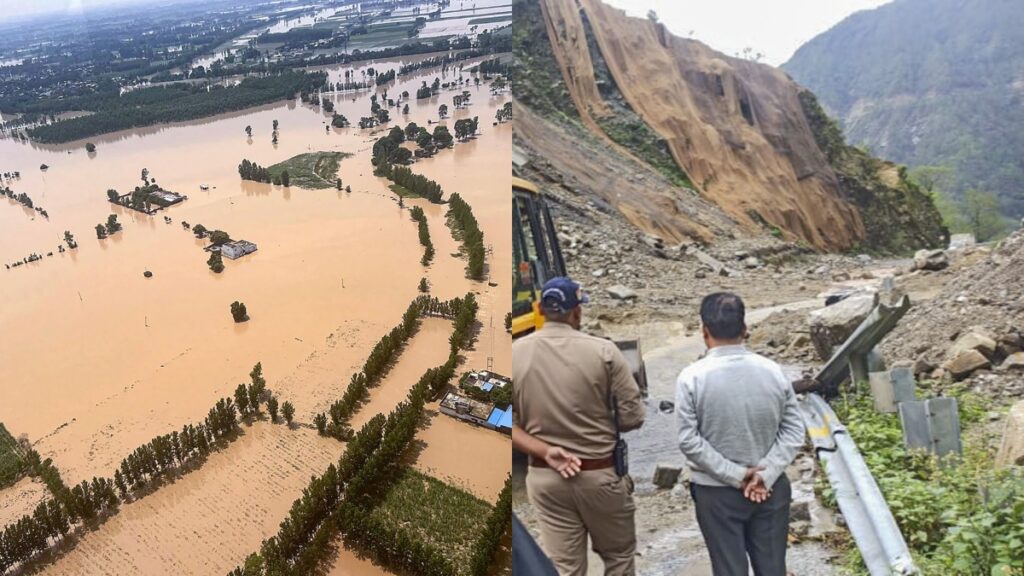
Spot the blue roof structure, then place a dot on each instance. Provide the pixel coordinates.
(495, 418)
(487, 386)
(506, 419)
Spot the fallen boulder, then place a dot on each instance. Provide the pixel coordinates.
(666, 476)
(965, 363)
(832, 325)
(1011, 450)
(973, 340)
(620, 292)
(930, 260)
(1014, 361)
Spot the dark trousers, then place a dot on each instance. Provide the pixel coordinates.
(734, 527)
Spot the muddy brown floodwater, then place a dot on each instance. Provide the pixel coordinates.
(98, 360)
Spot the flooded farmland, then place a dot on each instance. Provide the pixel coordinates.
(119, 358)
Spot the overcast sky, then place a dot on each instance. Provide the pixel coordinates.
(16, 9)
(775, 28)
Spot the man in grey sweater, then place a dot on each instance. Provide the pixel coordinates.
(739, 427)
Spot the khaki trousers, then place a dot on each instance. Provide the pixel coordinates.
(594, 502)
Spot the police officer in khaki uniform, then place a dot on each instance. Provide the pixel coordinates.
(564, 386)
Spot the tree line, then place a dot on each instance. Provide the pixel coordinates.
(415, 183)
(373, 453)
(428, 246)
(24, 200)
(173, 103)
(498, 523)
(463, 221)
(385, 77)
(253, 171)
(383, 354)
(160, 457)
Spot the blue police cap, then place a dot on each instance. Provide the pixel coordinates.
(561, 294)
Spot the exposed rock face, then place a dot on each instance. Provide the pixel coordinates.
(741, 132)
(832, 325)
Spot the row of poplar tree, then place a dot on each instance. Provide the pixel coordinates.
(53, 519)
(462, 218)
(335, 500)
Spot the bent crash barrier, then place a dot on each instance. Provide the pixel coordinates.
(861, 502)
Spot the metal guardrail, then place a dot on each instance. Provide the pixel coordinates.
(852, 358)
(867, 515)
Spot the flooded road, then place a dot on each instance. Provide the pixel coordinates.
(105, 359)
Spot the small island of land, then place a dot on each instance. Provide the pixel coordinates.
(314, 170)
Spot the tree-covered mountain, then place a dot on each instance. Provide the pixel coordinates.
(930, 83)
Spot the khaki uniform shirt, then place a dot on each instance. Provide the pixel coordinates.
(561, 380)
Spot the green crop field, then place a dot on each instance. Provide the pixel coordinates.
(316, 170)
(12, 463)
(431, 511)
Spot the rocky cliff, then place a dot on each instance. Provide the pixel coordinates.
(930, 82)
(741, 134)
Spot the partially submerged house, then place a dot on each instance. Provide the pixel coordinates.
(237, 248)
(476, 412)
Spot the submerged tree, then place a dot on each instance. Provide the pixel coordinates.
(288, 411)
(424, 287)
(216, 262)
(238, 311)
(272, 408)
(112, 224)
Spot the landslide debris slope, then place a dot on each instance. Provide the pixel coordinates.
(739, 135)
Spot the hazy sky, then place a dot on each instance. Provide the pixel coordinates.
(775, 28)
(11, 9)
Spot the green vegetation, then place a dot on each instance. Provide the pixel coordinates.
(428, 247)
(238, 312)
(346, 493)
(95, 501)
(959, 516)
(12, 459)
(940, 94)
(498, 524)
(625, 127)
(976, 212)
(402, 191)
(215, 262)
(414, 183)
(422, 509)
(172, 103)
(313, 170)
(465, 228)
(539, 83)
(898, 215)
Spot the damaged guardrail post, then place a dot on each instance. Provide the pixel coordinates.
(867, 515)
(854, 358)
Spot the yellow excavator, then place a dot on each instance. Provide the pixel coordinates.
(538, 258)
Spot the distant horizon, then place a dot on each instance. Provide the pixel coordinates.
(774, 29)
(27, 11)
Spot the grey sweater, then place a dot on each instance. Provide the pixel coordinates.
(736, 409)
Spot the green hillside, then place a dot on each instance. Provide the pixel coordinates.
(930, 83)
